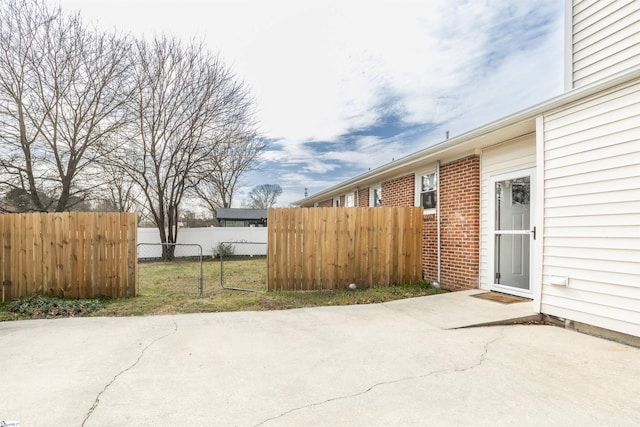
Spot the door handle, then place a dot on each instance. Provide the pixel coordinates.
(534, 233)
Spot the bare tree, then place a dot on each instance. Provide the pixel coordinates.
(118, 192)
(263, 196)
(63, 93)
(236, 153)
(184, 100)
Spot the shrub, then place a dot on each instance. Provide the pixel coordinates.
(224, 250)
(48, 306)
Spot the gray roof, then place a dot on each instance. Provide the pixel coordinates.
(241, 213)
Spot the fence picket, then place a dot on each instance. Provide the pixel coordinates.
(121, 253)
(132, 255)
(112, 231)
(328, 248)
(8, 257)
(92, 252)
(299, 248)
(71, 254)
(400, 239)
(412, 257)
(48, 269)
(355, 231)
(66, 253)
(362, 253)
(290, 245)
(38, 253)
(100, 272)
(21, 264)
(80, 255)
(271, 244)
(315, 280)
(281, 251)
(366, 250)
(58, 256)
(29, 272)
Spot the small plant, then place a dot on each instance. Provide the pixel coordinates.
(47, 306)
(224, 250)
(424, 284)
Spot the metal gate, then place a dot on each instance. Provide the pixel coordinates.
(243, 266)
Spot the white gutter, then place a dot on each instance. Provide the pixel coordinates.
(439, 148)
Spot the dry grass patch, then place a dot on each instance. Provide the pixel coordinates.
(172, 287)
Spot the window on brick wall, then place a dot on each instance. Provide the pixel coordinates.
(375, 196)
(349, 200)
(427, 190)
(336, 202)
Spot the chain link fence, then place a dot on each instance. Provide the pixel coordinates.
(243, 265)
(171, 268)
(191, 270)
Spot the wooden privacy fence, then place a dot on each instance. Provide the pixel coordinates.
(329, 248)
(71, 254)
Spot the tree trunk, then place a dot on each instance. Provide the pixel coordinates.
(168, 252)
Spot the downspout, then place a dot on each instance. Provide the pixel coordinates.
(438, 219)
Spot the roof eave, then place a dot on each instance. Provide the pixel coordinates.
(407, 162)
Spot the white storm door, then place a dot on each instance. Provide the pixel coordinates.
(512, 231)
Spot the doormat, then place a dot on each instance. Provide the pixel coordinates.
(500, 297)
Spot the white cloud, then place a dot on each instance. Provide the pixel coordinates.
(321, 68)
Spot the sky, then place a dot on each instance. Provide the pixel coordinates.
(345, 86)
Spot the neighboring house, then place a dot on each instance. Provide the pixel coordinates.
(544, 203)
(240, 217)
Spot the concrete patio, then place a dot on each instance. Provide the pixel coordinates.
(392, 364)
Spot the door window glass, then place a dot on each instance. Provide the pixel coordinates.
(513, 204)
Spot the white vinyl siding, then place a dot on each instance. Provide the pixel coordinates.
(502, 158)
(592, 211)
(605, 38)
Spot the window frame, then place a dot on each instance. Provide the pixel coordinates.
(419, 192)
(351, 195)
(372, 192)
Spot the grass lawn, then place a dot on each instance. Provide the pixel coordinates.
(172, 287)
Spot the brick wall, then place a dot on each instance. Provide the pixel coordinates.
(362, 197)
(326, 203)
(460, 223)
(430, 248)
(399, 191)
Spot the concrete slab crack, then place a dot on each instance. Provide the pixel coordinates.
(96, 402)
(485, 352)
(481, 360)
(349, 396)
